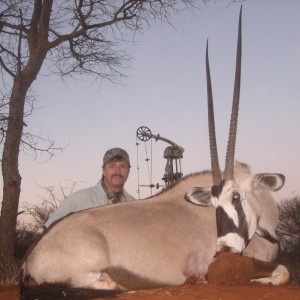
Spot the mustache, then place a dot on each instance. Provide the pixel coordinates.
(117, 175)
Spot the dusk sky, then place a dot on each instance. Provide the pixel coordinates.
(166, 91)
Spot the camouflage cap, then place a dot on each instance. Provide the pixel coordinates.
(115, 152)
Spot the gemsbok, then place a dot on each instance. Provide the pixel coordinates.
(170, 238)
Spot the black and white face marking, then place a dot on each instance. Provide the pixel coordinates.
(238, 209)
(236, 222)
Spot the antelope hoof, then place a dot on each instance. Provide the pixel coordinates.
(105, 282)
(279, 276)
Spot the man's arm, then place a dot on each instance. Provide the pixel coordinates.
(63, 210)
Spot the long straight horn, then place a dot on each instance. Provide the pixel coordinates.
(215, 168)
(229, 162)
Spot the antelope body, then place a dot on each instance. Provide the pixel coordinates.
(141, 244)
(170, 238)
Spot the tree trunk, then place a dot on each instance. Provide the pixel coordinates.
(10, 157)
(10, 168)
(38, 48)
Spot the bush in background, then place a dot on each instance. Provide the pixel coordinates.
(288, 231)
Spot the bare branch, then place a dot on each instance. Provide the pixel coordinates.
(6, 68)
(53, 196)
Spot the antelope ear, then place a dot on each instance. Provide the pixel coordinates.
(269, 181)
(198, 196)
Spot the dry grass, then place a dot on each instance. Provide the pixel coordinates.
(9, 271)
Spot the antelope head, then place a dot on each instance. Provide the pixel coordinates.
(237, 214)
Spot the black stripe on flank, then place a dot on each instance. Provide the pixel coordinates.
(64, 291)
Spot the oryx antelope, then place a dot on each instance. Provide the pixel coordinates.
(170, 238)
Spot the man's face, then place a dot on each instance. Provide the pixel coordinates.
(115, 174)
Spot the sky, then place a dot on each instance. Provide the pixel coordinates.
(165, 90)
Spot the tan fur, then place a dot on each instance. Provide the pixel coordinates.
(163, 240)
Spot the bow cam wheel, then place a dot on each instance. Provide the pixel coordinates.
(143, 133)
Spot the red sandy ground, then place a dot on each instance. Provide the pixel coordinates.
(196, 292)
(228, 280)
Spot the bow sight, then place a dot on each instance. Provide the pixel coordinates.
(172, 154)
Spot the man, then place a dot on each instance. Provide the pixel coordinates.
(109, 190)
